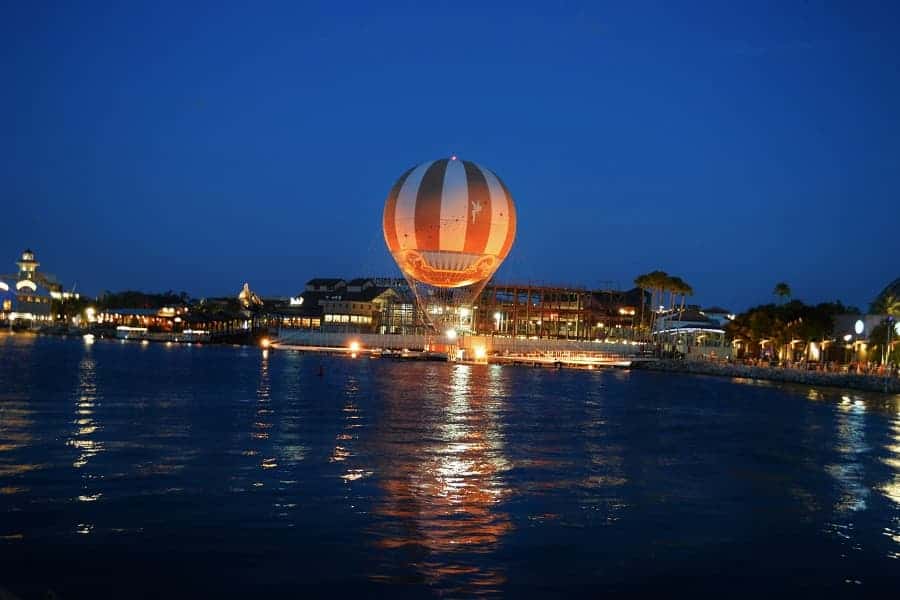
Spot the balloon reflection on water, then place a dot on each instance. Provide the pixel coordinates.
(443, 479)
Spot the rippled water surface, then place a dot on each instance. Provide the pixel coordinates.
(146, 471)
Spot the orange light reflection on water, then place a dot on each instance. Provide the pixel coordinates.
(444, 483)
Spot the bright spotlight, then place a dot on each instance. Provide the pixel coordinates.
(451, 334)
(354, 347)
(265, 342)
(480, 352)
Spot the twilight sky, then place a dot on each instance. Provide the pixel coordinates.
(163, 146)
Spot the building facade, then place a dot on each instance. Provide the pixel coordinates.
(26, 297)
(555, 312)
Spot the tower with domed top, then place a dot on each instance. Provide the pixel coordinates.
(27, 265)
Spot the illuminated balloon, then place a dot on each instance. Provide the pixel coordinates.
(449, 223)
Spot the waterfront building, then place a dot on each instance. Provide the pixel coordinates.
(358, 308)
(388, 306)
(166, 319)
(7, 297)
(557, 312)
(690, 332)
(29, 299)
(362, 305)
(852, 338)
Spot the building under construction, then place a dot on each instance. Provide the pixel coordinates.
(557, 312)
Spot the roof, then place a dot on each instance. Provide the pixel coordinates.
(324, 281)
(717, 310)
(366, 295)
(359, 281)
(688, 316)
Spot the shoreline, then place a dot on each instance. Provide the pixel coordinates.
(854, 381)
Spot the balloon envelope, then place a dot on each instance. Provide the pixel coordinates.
(449, 223)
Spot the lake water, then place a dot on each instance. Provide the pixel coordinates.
(133, 471)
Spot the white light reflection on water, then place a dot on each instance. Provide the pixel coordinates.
(83, 438)
(86, 401)
(264, 419)
(288, 447)
(849, 472)
(605, 472)
(443, 485)
(851, 444)
(349, 434)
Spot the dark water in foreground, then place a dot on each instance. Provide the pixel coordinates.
(146, 471)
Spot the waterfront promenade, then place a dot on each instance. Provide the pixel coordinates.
(855, 381)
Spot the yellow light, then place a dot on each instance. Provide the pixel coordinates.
(265, 342)
(451, 334)
(480, 352)
(354, 346)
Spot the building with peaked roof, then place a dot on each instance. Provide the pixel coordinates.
(358, 305)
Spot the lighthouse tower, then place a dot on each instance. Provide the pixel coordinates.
(27, 266)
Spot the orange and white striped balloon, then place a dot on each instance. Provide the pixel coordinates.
(449, 222)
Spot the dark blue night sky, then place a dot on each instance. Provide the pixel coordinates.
(172, 147)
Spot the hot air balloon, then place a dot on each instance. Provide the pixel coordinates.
(449, 224)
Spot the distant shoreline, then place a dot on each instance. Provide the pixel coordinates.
(854, 381)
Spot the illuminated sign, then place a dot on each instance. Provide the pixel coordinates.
(859, 327)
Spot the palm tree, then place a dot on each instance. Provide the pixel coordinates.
(889, 304)
(782, 290)
(685, 290)
(643, 283)
(659, 283)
